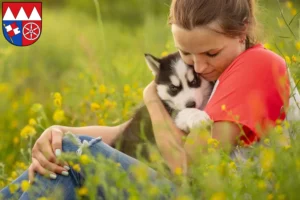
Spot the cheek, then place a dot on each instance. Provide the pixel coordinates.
(187, 59)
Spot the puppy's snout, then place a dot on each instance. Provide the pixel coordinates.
(190, 104)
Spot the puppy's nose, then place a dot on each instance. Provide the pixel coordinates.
(190, 104)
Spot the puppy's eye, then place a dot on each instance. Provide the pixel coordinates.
(173, 88)
(194, 82)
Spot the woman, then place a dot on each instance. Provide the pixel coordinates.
(217, 38)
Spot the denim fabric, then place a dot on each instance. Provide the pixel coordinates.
(43, 186)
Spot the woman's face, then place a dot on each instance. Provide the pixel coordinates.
(208, 51)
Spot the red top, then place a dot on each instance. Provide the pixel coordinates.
(251, 92)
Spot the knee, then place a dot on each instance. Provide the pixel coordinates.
(75, 143)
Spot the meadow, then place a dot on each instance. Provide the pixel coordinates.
(89, 69)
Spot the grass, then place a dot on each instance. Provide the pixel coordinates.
(82, 73)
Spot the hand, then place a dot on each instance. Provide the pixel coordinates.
(150, 93)
(190, 118)
(43, 154)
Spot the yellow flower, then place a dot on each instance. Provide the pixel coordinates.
(294, 58)
(126, 88)
(223, 107)
(165, 53)
(76, 167)
(232, 165)
(83, 191)
(279, 129)
(102, 89)
(32, 122)
(42, 198)
(213, 142)
(13, 188)
(25, 185)
(288, 60)
(141, 173)
(59, 115)
(101, 122)
(84, 159)
(298, 45)
(57, 95)
(95, 106)
(178, 171)
(28, 131)
(261, 185)
(294, 12)
(16, 140)
(280, 22)
(267, 157)
(267, 46)
(183, 197)
(14, 174)
(270, 197)
(289, 4)
(218, 196)
(154, 157)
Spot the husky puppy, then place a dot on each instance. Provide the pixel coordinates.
(178, 87)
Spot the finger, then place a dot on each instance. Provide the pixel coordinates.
(52, 167)
(41, 170)
(57, 136)
(31, 174)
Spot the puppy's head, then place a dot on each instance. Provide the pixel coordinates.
(178, 85)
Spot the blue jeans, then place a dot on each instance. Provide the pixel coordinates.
(68, 184)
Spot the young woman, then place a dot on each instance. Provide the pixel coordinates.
(217, 38)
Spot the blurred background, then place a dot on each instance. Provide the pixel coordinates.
(88, 66)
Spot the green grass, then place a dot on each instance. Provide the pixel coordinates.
(78, 57)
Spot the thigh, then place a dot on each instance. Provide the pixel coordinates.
(97, 146)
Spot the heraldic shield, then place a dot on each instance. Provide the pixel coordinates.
(22, 22)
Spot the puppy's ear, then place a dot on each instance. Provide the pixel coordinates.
(153, 63)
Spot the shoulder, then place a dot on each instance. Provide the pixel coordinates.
(256, 61)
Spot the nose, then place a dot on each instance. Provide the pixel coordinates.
(190, 104)
(200, 65)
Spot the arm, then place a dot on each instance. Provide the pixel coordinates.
(175, 151)
(108, 134)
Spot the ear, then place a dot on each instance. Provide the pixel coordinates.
(153, 63)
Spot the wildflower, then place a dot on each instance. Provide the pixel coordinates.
(118, 164)
(154, 157)
(57, 99)
(267, 141)
(218, 196)
(267, 159)
(42, 198)
(294, 12)
(213, 142)
(298, 45)
(267, 46)
(83, 191)
(280, 22)
(101, 122)
(223, 107)
(95, 106)
(102, 89)
(13, 188)
(278, 129)
(289, 4)
(183, 197)
(178, 171)
(261, 185)
(16, 140)
(84, 159)
(287, 147)
(25, 185)
(32, 122)
(164, 53)
(76, 167)
(232, 165)
(126, 88)
(59, 116)
(141, 173)
(288, 60)
(270, 197)
(28, 130)
(14, 175)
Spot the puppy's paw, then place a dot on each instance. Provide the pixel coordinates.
(190, 118)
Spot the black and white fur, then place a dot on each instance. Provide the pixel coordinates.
(182, 92)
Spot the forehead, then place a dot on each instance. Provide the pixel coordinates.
(199, 39)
